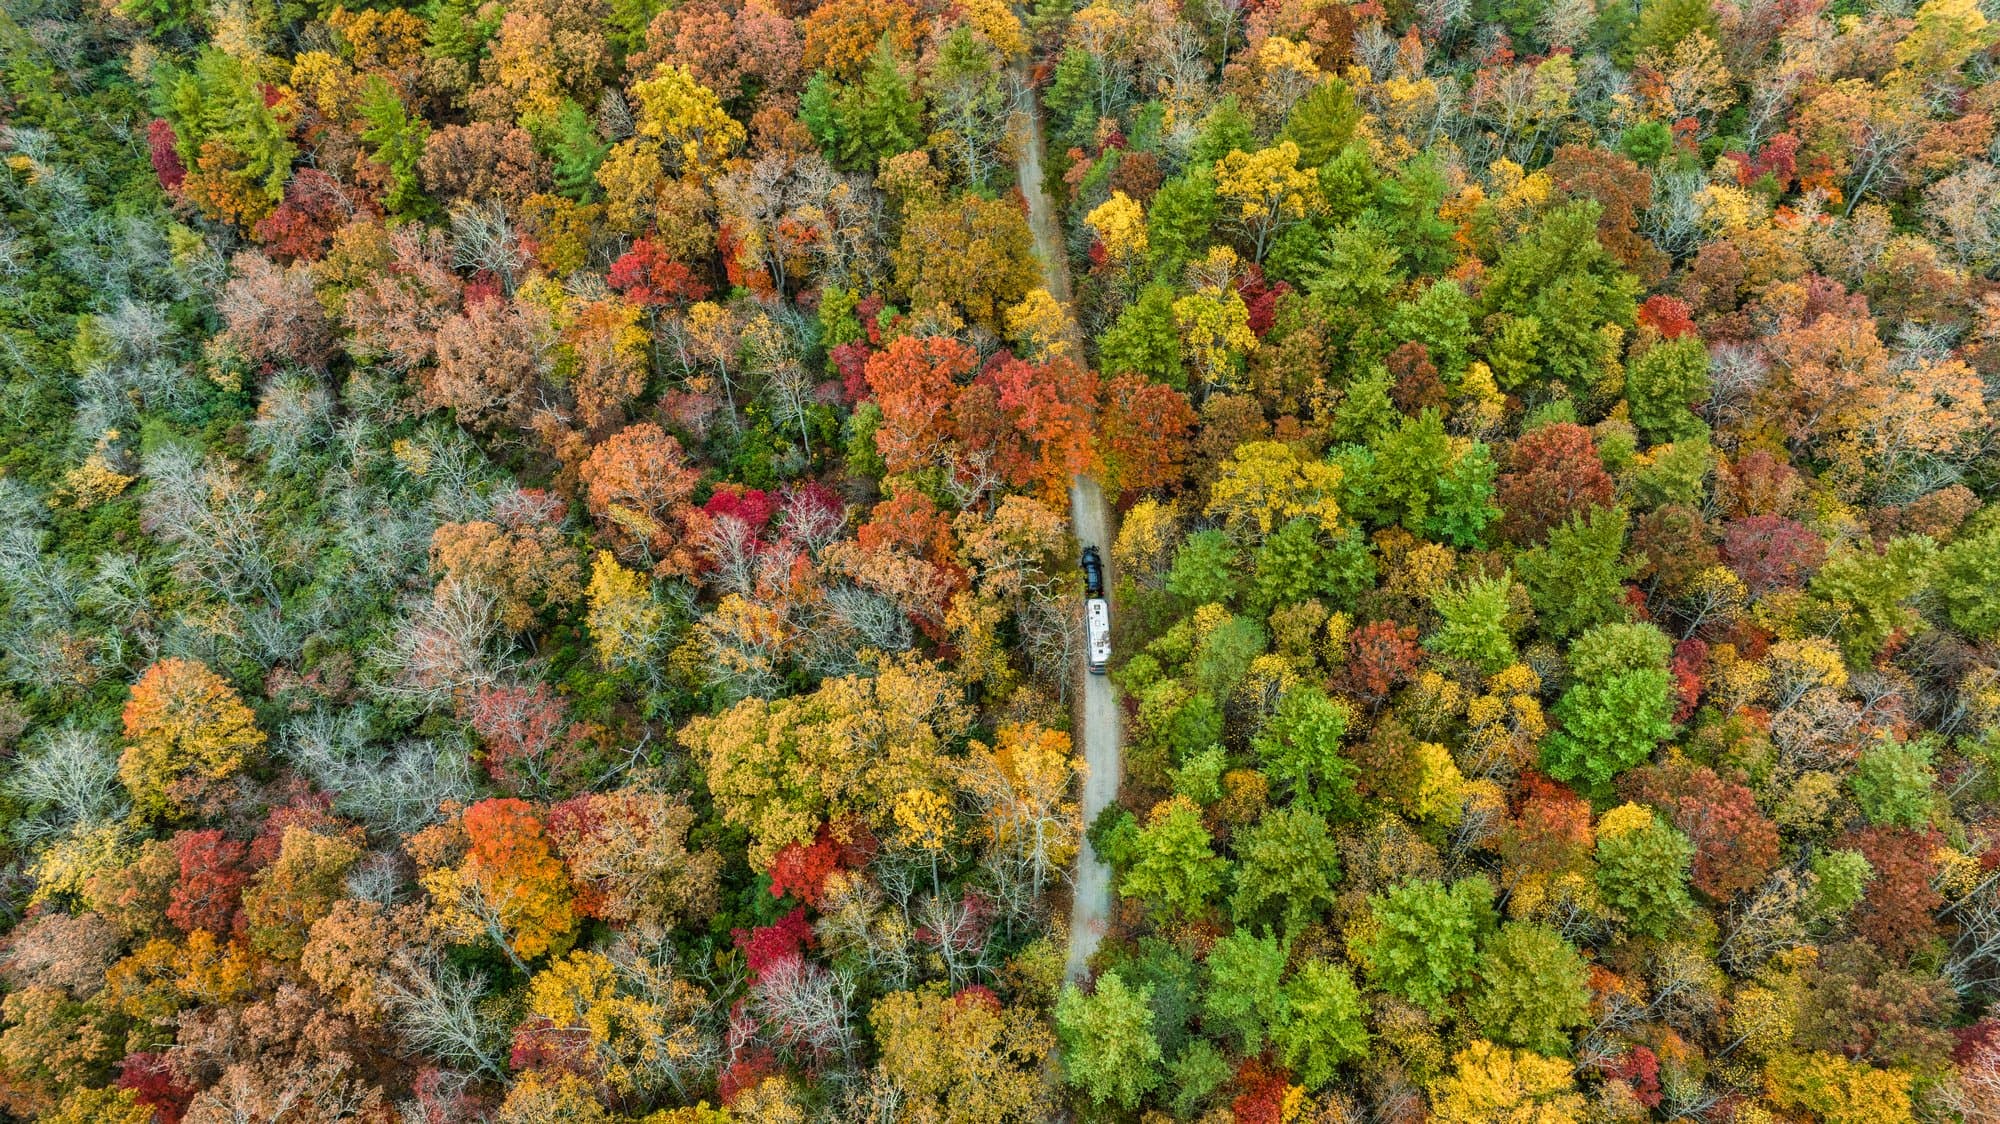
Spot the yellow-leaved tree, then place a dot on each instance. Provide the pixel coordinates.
(637, 1020)
(1028, 822)
(1120, 224)
(1214, 326)
(686, 118)
(184, 729)
(623, 618)
(1494, 1085)
(1266, 484)
(1838, 1091)
(1269, 189)
(962, 1059)
(782, 767)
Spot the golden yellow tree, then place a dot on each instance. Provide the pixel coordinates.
(1022, 785)
(1214, 326)
(1494, 1085)
(1269, 189)
(782, 767)
(184, 728)
(623, 618)
(686, 118)
(1120, 224)
(962, 1059)
(101, 1106)
(1265, 484)
(1838, 1091)
(1039, 325)
(638, 1021)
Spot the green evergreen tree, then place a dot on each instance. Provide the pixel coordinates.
(1619, 705)
(859, 124)
(1575, 579)
(396, 142)
(1324, 1025)
(1145, 339)
(1472, 622)
(575, 150)
(219, 99)
(1288, 860)
(1299, 749)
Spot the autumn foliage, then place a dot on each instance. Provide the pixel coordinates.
(541, 571)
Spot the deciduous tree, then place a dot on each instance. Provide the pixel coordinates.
(1618, 708)
(185, 728)
(1174, 866)
(629, 859)
(781, 768)
(1266, 483)
(1532, 989)
(964, 1058)
(1553, 473)
(525, 567)
(972, 256)
(1491, 1084)
(297, 889)
(915, 380)
(1419, 939)
(510, 887)
(1287, 858)
(1663, 384)
(1323, 1028)
(272, 315)
(1143, 432)
(637, 485)
(1109, 1050)
(490, 359)
(1642, 865)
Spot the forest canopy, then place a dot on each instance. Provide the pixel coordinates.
(539, 561)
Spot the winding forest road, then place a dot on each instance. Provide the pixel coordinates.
(1090, 519)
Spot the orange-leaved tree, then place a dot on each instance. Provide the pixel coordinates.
(509, 887)
(914, 381)
(637, 485)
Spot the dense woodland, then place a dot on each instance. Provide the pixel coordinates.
(536, 581)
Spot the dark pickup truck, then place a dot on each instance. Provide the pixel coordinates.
(1093, 573)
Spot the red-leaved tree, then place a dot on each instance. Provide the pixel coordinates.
(212, 876)
(1736, 845)
(1553, 474)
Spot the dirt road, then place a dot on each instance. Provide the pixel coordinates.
(1041, 213)
(1097, 725)
(1090, 909)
